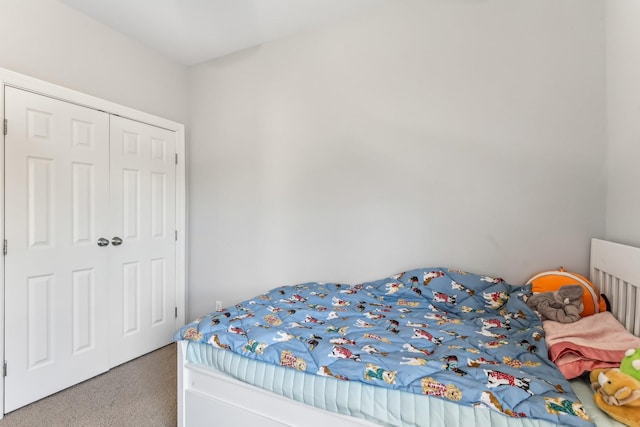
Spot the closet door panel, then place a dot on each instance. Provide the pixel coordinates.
(56, 208)
(143, 267)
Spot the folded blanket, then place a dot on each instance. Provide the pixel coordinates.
(597, 341)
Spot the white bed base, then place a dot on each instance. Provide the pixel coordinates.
(207, 397)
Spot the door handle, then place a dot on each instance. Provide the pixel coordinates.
(116, 241)
(102, 242)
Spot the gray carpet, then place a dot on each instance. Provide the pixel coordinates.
(138, 393)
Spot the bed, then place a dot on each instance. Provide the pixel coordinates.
(427, 379)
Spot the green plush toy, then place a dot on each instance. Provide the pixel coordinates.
(630, 364)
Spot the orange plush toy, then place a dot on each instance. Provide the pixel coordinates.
(549, 281)
(617, 394)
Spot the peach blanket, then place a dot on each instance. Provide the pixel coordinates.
(597, 341)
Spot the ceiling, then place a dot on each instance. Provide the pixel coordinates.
(194, 31)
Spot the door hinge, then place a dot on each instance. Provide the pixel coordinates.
(5, 126)
(4, 248)
(176, 314)
(176, 235)
(4, 369)
(176, 154)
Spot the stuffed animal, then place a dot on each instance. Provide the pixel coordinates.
(563, 305)
(630, 364)
(617, 394)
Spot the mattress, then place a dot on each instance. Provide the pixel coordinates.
(384, 406)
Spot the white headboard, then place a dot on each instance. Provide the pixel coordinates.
(615, 271)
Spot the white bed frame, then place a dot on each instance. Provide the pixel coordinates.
(615, 271)
(207, 397)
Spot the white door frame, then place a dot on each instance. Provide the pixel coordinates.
(10, 78)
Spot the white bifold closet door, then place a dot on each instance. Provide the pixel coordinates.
(90, 264)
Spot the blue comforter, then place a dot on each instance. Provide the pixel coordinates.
(463, 337)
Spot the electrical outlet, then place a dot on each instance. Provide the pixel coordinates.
(218, 305)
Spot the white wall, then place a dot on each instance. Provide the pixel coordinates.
(623, 120)
(50, 41)
(456, 133)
